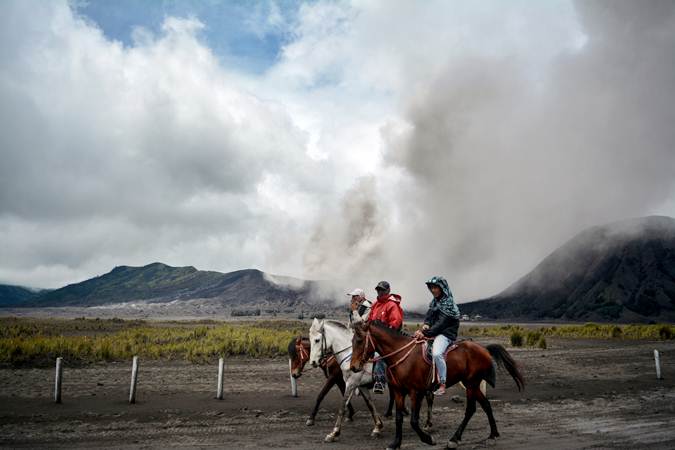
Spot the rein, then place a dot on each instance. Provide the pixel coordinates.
(324, 349)
(410, 346)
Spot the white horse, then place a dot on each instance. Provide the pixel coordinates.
(332, 336)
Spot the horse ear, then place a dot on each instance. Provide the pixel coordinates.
(298, 340)
(315, 322)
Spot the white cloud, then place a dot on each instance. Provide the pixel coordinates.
(336, 162)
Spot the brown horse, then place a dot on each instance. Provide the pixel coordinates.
(298, 352)
(410, 374)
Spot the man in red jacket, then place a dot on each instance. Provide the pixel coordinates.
(387, 309)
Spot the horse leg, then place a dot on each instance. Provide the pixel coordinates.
(485, 404)
(330, 382)
(373, 412)
(470, 409)
(430, 404)
(390, 407)
(415, 405)
(341, 385)
(349, 391)
(400, 404)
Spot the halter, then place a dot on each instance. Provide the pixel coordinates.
(300, 349)
(324, 349)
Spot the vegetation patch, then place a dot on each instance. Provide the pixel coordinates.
(37, 342)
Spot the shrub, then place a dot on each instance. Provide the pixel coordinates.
(616, 332)
(665, 332)
(532, 337)
(542, 343)
(516, 339)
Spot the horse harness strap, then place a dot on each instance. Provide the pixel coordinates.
(303, 353)
(410, 346)
(335, 353)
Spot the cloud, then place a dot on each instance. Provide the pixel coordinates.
(389, 140)
(114, 154)
(509, 145)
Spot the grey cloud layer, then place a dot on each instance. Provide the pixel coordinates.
(502, 168)
(470, 150)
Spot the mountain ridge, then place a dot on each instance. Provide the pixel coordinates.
(623, 271)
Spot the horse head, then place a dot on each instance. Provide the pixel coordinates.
(317, 342)
(363, 349)
(299, 355)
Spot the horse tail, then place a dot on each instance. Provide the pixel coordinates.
(502, 358)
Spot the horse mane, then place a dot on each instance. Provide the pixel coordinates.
(337, 324)
(390, 331)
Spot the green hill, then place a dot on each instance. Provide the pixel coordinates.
(158, 282)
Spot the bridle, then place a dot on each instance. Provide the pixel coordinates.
(410, 346)
(324, 349)
(300, 349)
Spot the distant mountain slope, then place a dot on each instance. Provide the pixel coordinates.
(15, 295)
(623, 271)
(158, 282)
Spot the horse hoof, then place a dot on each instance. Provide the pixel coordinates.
(492, 440)
(375, 433)
(387, 415)
(309, 422)
(330, 438)
(432, 441)
(452, 444)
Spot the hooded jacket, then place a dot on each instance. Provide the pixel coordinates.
(387, 309)
(443, 314)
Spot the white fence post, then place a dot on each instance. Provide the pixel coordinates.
(294, 382)
(657, 361)
(221, 363)
(134, 377)
(57, 382)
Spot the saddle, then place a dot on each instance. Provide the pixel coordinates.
(427, 347)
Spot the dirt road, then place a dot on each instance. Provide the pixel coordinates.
(579, 394)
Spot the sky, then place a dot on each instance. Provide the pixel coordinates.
(348, 141)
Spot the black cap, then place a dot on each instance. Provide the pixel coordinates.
(382, 285)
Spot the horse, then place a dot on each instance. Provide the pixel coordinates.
(410, 374)
(360, 311)
(298, 352)
(332, 336)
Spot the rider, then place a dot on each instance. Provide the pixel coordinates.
(440, 323)
(359, 305)
(387, 309)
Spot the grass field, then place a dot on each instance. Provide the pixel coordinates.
(37, 342)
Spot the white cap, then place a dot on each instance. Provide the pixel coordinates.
(357, 291)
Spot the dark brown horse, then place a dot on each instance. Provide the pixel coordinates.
(298, 351)
(410, 374)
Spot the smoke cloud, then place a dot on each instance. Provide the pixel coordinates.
(499, 168)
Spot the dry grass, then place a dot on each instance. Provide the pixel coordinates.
(82, 341)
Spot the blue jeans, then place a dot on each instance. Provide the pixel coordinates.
(380, 371)
(441, 342)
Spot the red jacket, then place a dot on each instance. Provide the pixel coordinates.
(387, 309)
